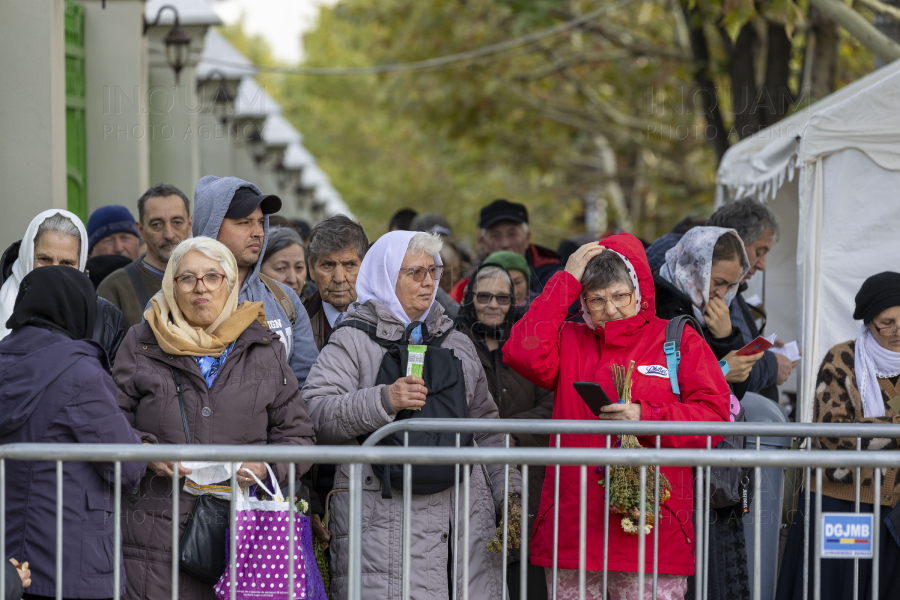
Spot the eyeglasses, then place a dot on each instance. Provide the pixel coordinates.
(887, 330)
(418, 273)
(485, 298)
(598, 303)
(212, 281)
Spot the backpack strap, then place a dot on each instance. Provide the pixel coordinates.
(281, 296)
(672, 347)
(138, 284)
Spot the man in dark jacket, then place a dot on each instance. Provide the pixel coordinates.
(503, 225)
(54, 389)
(759, 229)
(164, 221)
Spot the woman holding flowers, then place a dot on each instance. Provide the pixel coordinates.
(613, 281)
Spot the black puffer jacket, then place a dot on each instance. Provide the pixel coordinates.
(109, 329)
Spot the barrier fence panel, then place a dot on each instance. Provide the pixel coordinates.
(647, 459)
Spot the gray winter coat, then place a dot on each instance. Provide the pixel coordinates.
(344, 402)
(211, 200)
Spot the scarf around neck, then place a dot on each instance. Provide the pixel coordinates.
(688, 266)
(176, 336)
(870, 362)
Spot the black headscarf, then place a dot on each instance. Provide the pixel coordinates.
(61, 299)
(467, 316)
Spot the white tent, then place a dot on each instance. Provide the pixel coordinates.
(831, 173)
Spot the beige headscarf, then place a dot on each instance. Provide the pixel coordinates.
(176, 336)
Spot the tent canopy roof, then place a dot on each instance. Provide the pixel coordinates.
(860, 115)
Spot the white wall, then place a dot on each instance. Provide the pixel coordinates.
(33, 115)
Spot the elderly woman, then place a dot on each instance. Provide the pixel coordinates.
(56, 237)
(518, 269)
(55, 389)
(396, 288)
(237, 389)
(285, 260)
(613, 281)
(487, 316)
(700, 277)
(857, 383)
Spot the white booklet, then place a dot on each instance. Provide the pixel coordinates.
(791, 351)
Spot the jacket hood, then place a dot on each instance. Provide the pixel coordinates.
(631, 248)
(212, 197)
(32, 359)
(390, 327)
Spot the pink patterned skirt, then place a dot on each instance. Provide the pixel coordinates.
(622, 586)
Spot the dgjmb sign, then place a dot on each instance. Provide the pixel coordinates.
(846, 535)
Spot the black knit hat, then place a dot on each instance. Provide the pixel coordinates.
(878, 292)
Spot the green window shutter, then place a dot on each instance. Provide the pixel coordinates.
(76, 151)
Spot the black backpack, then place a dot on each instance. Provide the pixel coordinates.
(729, 486)
(444, 378)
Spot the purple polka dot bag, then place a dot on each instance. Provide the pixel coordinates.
(263, 552)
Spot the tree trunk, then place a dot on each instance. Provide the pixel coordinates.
(715, 128)
(824, 60)
(778, 96)
(748, 116)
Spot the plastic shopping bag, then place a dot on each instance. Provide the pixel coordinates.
(263, 544)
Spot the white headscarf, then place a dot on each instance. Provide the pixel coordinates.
(688, 266)
(871, 362)
(25, 263)
(377, 279)
(586, 314)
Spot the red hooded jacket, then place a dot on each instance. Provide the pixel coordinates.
(554, 354)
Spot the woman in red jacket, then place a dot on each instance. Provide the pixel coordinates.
(613, 281)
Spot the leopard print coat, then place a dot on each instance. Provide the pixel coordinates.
(838, 401)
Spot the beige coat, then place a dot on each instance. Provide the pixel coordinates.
(344, 402)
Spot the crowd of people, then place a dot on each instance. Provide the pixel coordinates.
(233, 325)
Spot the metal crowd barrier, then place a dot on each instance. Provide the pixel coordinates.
(371, 453)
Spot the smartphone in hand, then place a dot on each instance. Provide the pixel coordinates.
(593, 395)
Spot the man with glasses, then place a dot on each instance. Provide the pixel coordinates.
(236, 213)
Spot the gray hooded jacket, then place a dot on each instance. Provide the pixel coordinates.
(211, 200)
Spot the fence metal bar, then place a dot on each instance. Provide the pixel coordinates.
(117, 530)
(59, 529)
(609, 427)
(505, 517)
(856, 510)
(757, 531)
(437, 456)
(656, 526)
(466, 511)
(707, 526)
(407, 521)
(354, 581)
(292, 525)
(606, 523)
(817, 559)
(232, 541)
(523, 546)
(582, 533)
(806, 508)
(455, 530)
(698, 536)
(3, 523)
(555, 526)
(642, 537)
(175, 523)
(876, 530)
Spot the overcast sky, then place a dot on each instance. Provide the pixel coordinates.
(281, 22)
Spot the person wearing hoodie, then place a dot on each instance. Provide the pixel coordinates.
(56, 237)
(54, 389)
(613, 282)
(236, 213)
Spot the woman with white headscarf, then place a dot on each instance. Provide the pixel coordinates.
(858, 382)
(700, 277)
(351, 393)
(55, 237)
